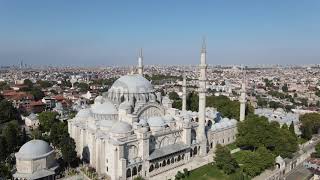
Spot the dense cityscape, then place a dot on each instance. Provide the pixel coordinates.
(219, 91)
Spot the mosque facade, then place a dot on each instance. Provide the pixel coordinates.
(133, 130)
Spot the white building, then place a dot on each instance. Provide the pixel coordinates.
(31, 120)
(35, 160)
(132, 130)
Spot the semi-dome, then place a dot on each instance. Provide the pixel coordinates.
(84, 113)
(134, 83)
(35, 148)
(121, 127)
(104, 108)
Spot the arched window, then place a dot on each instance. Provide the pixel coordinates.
(134, 171)
(195, 151)
(179, 158)
(164, 163)
(157, 165)
(168, 161)
(182, 156)
(172, 160)
(139, 168)
(128, 173)
(151, 168)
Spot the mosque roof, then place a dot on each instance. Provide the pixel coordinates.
(104, 108)
(134, 83)
(156, 121)
(121, 127)
(34, 148)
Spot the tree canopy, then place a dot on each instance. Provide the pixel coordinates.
(256, 131)
(310, 124)
(224, 160)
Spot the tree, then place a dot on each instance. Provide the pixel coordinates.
(44, 84)
(3, 149)
(28, 83)
(139, 178)
(47, 119)
(310, 123)
(179, 175)
(11, 135)
(174, 96)
(285, 88)
(7, 111)
(24, 137)
(291, 128)
(256, 131)
(284, 126)
(317, 153)
(37, 93)
(69, 154)
(224, 160)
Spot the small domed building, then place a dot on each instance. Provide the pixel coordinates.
(132, 130)
(35, 160)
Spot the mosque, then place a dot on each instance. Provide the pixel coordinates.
(132, 130)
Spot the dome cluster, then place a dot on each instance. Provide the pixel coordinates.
(224, 124)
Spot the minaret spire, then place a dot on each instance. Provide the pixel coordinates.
(243, 97)
(140, 63)
(202, 100)
(184, 93)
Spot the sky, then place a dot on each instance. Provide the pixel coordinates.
(111, 32)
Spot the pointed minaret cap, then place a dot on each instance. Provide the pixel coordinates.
(204, 45)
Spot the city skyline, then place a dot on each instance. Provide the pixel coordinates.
(111, 33)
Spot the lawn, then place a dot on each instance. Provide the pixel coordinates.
(208, 172)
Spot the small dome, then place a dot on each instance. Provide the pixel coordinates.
(98, 99)
(34, 149)
(121, 127)
(156, 121)
(84, 113)
(168, 118)
(125, 105)
(104, 108)
(143, 122)
(134, 83)
(106, 123)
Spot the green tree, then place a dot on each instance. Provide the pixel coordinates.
(4, 86)
(139, 178)
(224, 160)
(284, 126)
(310, 123)
(285, 88)
(7, 111)
(174, 96)
(28, 83)
(291, 128)
(44, 84)
(47, 119)
(11, 135)
(317, 153)
(24, 137)
(37, 93)
(3, 149)
(69, 154)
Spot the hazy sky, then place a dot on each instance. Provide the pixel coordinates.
(105, 32)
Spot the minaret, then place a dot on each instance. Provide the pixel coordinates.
(202, 100)
(140, 63)
(184, 94)
(243, 97)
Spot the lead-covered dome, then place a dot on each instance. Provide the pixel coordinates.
(132, 84)
(34, 149)
(121, 127)
(106, 107)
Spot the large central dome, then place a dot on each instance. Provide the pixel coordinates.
(132, 84)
